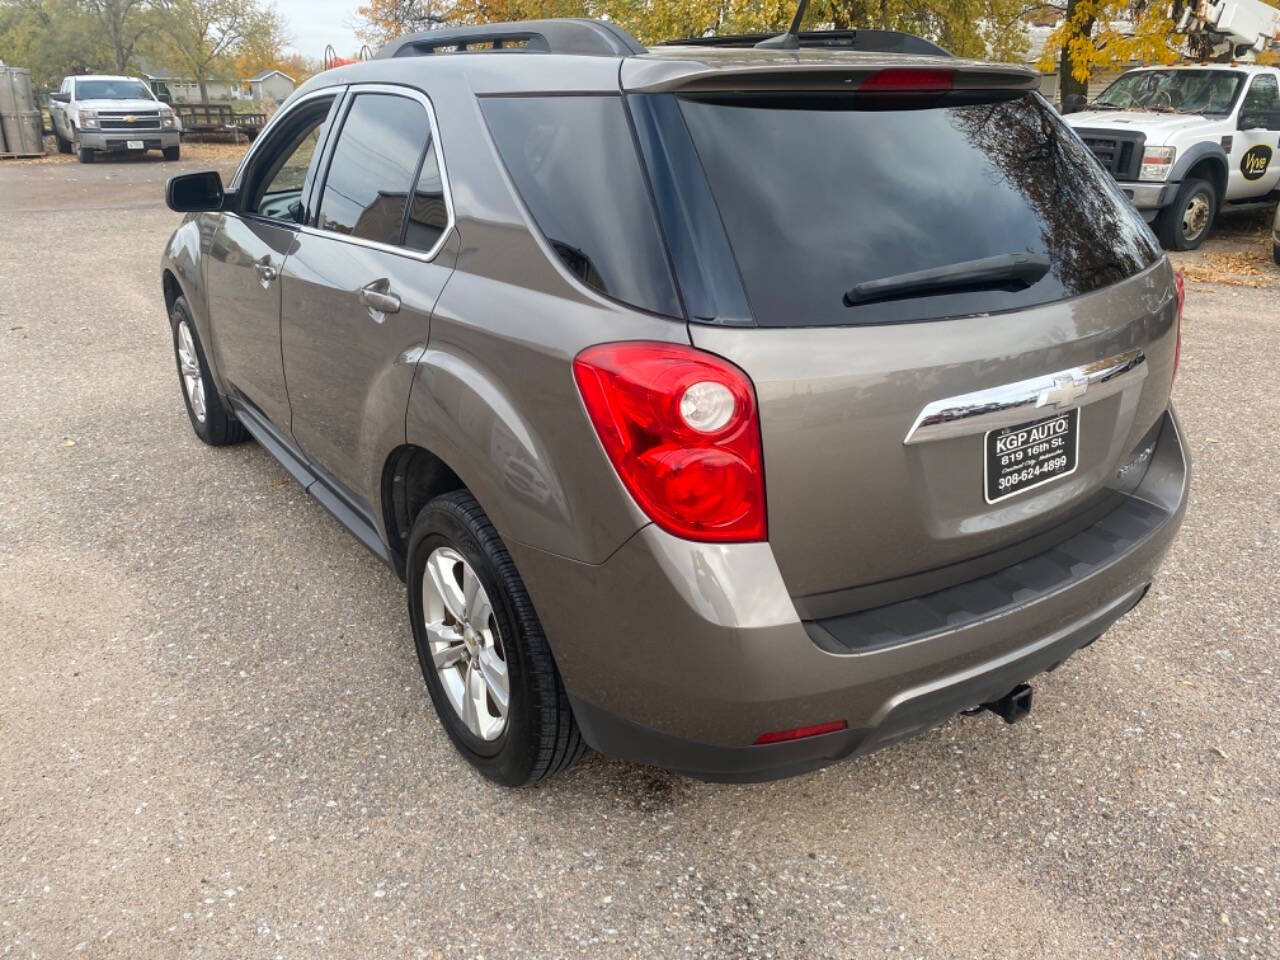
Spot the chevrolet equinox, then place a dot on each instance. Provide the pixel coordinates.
(725, 406)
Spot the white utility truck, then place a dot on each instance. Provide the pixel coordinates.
(1185, 142)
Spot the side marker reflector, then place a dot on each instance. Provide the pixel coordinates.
(800, 733)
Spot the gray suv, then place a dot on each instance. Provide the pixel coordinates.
(726, 408)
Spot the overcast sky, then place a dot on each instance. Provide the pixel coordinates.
(311, 24)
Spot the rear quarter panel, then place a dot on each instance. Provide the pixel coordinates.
(494, 395)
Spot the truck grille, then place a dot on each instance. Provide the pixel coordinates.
(129, 121)
(1120, 153)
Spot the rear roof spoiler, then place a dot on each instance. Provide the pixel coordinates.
(870, 41)
(823, 72)
(572, 36)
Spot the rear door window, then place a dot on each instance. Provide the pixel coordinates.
(819, 194)
(574, 162)
(374, 166)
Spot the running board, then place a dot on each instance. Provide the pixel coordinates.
(357, 521)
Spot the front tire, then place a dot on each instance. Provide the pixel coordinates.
(1184, 224)
(84, 155)
(483, 654)
(210, 419)
(171, 153)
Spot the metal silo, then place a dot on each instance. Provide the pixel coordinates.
(21, 126)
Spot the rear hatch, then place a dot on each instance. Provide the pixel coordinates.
(957, 328)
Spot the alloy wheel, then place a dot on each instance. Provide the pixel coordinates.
(466, 645)
(189, 367)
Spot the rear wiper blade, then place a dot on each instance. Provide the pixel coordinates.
(1013, 271)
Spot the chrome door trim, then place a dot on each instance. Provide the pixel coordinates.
(1012, 403)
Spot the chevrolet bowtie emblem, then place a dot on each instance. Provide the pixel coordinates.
(130, 118)
(1064, 392)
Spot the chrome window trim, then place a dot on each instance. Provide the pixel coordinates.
(411, 93)
(1013, 403)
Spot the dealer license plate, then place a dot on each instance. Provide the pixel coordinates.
(135, 144)
(1025, 456)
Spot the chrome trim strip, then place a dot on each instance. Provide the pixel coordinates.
(1003, 406)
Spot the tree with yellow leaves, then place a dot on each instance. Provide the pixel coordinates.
(1100, 34)
(981, 28)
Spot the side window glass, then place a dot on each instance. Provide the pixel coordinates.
(1265, 92)
(280, 186)
(428, 215)
(374, 167)
(574, 163)
(1258, 102)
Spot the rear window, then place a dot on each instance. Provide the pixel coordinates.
(574, 163)
(821, 194)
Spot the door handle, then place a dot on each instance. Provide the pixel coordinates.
(266, 270)
(378, 296)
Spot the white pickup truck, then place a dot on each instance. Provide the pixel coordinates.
(1186, 142)
(93, 114)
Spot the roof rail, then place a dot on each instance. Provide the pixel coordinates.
(871, 41)
(576, 36)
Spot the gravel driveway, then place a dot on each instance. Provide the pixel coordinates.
(215, 742)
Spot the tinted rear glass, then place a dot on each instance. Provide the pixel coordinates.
(819, 194)
(574, 162)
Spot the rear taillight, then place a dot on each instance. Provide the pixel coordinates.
(680, 427)
(1181, 287)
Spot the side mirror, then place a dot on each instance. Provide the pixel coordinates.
(1074, 103)
(195, 192)
(61, 97)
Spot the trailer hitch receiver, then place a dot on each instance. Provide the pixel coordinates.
(1010, 708)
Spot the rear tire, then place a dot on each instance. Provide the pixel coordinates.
(209, 417)
(1275, 252)
(64, 146)
(1184, 224)
(172, 153)
(537, 735)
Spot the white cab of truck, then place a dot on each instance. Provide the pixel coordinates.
(1185, 142)
(102, 114)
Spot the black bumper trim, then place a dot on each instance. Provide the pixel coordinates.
(954, 608)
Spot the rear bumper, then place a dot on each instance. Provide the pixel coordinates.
(111, 141)
(681, 654)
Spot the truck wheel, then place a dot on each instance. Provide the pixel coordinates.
(84, 154)
(209, 418)
(64, 146)
(1185, 223)
(172, 153)
(1275, 252)
(483, 654)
